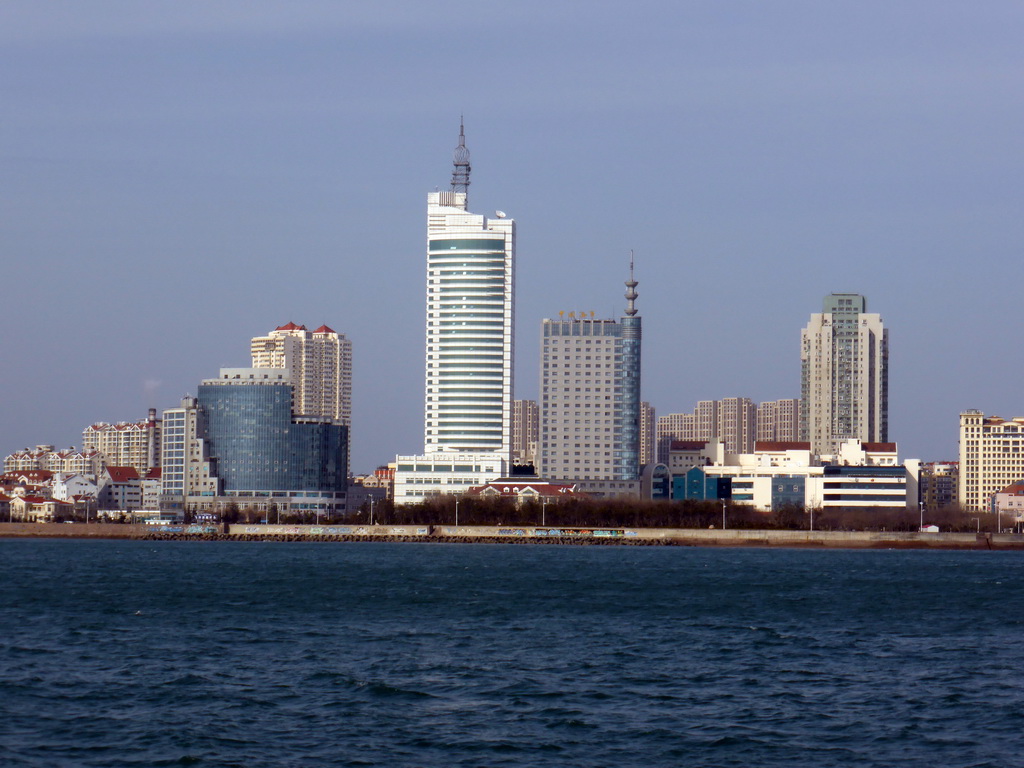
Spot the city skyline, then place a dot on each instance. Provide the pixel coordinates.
(185, 178)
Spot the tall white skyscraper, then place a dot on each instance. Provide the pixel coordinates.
(467, 432)
(470, 317)
(844, 392)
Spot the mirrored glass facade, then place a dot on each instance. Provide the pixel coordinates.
(257, 446)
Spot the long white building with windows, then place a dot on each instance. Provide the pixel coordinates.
(469, 346)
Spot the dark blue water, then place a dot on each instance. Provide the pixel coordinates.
(376, 654)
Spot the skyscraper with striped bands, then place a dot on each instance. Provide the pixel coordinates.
(470, 315)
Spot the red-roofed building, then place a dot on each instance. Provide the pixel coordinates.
(523, 490)
(319, 364)
(120, 488)
(39, 509)
(1009, 504)
(126, 444)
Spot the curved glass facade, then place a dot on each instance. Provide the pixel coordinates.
(257, 447)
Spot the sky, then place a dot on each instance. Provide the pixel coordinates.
(180, 176)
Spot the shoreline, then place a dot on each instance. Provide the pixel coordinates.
(442, 534)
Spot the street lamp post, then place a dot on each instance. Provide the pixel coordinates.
(543, 510)
(723, 514)
(920, 506)
(456, 511)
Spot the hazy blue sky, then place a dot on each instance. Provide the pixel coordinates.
(181, 176)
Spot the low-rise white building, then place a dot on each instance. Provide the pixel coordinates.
(866, 475)
(436, 474)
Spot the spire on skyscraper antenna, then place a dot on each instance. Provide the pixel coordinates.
(460, 175)
(631, 285)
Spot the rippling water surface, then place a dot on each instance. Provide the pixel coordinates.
(373, 654)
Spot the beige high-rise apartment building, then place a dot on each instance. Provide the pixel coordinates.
(126, 444)
(736, 424)
(844, 390)
(991, 457)
(672, 427)
(320, 366)
(732, 419)
(779, 421)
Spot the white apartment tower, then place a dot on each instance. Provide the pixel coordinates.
(844, 391)
(470, 317)
(319, 364)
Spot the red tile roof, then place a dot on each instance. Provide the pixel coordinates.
(324, 329)
(34, 475)
(879, 447)
(123, 474)
(780, 445)
(290, 326)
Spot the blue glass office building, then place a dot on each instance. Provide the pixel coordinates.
(258, 449)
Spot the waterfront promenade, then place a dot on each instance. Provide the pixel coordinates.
(686, 537)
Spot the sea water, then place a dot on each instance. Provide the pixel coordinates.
(131, 653)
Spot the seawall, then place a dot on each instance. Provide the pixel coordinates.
(685, 537)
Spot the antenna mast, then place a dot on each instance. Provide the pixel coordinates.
(631, 284)
(460, 175)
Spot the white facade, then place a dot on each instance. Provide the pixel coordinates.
(44, 457)
(844, 356)
(418, 478)
(186, 470)
(991, 458)
(866, 476)
(470, 318)
(467, 424)
(69, 487)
